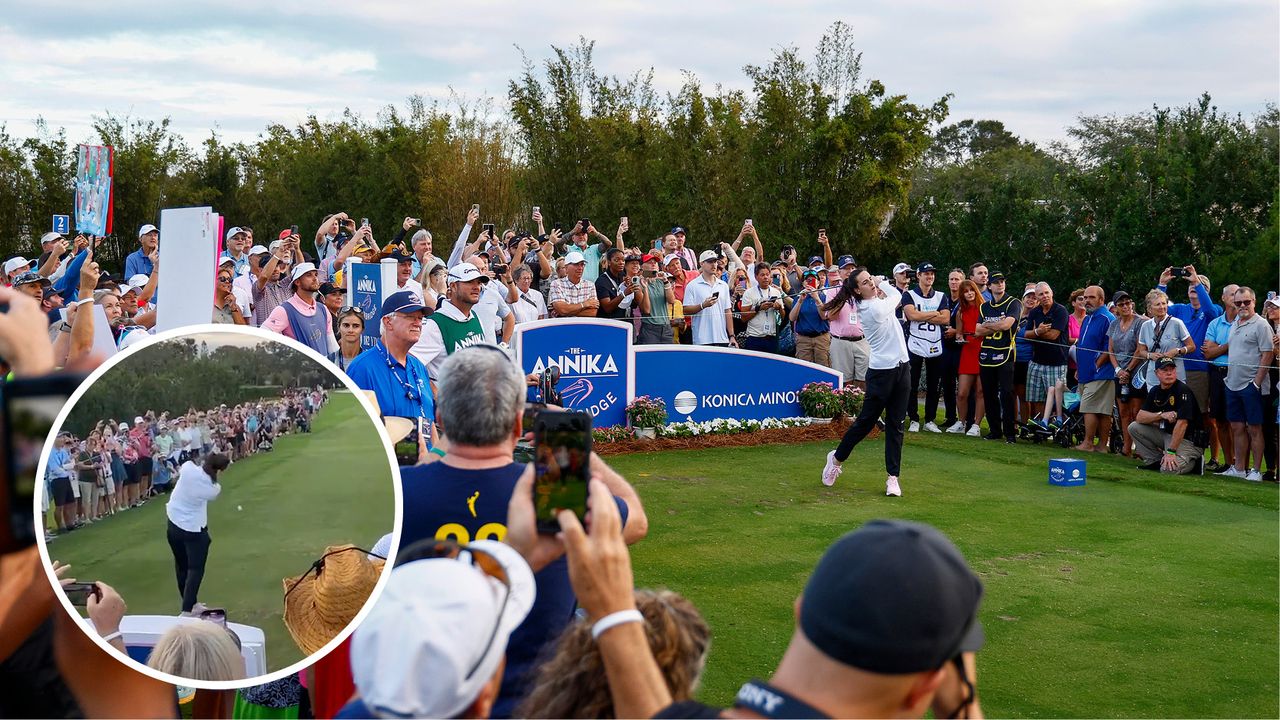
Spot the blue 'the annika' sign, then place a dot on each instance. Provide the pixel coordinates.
(594, 357)
(366, 294)
(705, 383)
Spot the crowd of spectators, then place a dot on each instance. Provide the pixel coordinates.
(119, 466)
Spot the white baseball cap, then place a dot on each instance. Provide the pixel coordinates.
(226, 260)
(466, 272)
(708, 255)
(50, 237)
(258, 250)
(17, 263)
(137, 420)
(901, 267)
(146, 229)
(437, 633)
(574, 257)
(137, 282)
(302, 269)
(232, 232)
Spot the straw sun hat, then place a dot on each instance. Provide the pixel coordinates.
(327, 598)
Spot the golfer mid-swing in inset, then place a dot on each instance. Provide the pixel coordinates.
(188, 532)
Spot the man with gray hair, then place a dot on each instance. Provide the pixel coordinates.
(1249, 353)
(1047, 331)
(464, 496)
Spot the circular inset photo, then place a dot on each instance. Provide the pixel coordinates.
(217, 506)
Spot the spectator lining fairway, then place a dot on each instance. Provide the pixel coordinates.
(329, 487)
(1137, 595)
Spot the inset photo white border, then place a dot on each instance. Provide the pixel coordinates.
(259, 334)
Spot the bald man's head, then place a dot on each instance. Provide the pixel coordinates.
(1094, 298)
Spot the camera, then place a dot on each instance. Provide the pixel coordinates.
(499, 269)
(910, 273)
(1178, 272)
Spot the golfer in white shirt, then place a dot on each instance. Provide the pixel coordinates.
(188, 530)
(888, 374)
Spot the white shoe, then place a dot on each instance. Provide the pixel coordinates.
(915, 426)
(831, 471)
(957, 428)
(974, 431)
(1253, 476)
(891, 488)
(932, 427)
(1231, 471)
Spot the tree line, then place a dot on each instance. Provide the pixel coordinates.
(181, 374)
(812, 144)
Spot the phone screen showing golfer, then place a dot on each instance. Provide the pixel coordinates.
(562, 452)
(409, 449)
(30, 407)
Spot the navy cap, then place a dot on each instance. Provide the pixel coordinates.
(405, 301)
(677, 230)
(926, 267)
(399, 255)
(328, 288)
(816, 259)
(845, 260)
(1163, 363)
(996, 276)
(892, 598)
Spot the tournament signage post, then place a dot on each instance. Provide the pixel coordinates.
(367, 285)
(62, 224)
(594, 357)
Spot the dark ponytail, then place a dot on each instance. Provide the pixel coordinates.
(848, 290)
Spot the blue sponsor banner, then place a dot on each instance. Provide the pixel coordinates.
(366, 294)
(705, 383)
(594, 357)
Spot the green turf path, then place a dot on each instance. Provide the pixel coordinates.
(1136, 595)
(329, 487)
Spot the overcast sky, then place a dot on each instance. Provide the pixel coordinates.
(239, 65)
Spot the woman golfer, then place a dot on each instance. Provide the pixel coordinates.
(188, 532)
(888, 374)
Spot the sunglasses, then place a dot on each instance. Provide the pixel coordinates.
(318, 565)
(350, 310)
(224, 278)
(479, 559)
(1243, 303)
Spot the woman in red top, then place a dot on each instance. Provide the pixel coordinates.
(965, 320)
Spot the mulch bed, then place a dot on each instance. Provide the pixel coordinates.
(778, 436)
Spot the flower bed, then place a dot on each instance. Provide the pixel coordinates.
(774, 435)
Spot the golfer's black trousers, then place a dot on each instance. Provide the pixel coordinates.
(888, 392)
(190, 551)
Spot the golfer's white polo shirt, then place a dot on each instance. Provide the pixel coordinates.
(188, 503)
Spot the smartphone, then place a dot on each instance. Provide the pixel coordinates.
(409, 449)
(30, 407)
(488, 227)
(476, 207)
(777, 281)
(218, 616)
(624, 221)
(557, 227)
(715, 295)
(536, 210)
(748, 222)
(562, 452)
(293, 229)
(364, 222)
(586, 223)
(78, 593)
(531, 411)
(1177, 272)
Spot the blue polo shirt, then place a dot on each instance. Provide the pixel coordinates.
(392, 383)
(1093, 342)
(1218, 331)
(1197, 322)
(442, 502)
(137, 262)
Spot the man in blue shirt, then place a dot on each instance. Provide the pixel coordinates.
(1196, 314)
(60, 471)
(1215, 349)
(1095, 372)
(464, 496)
(139, 261)
(398, 379)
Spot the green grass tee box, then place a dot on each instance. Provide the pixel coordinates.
(1138, 594)
(332, 486)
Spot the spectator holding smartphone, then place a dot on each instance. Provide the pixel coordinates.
(1195, 314)
(813, 332)
(706, 300)
(761, 309)
(655, 325)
